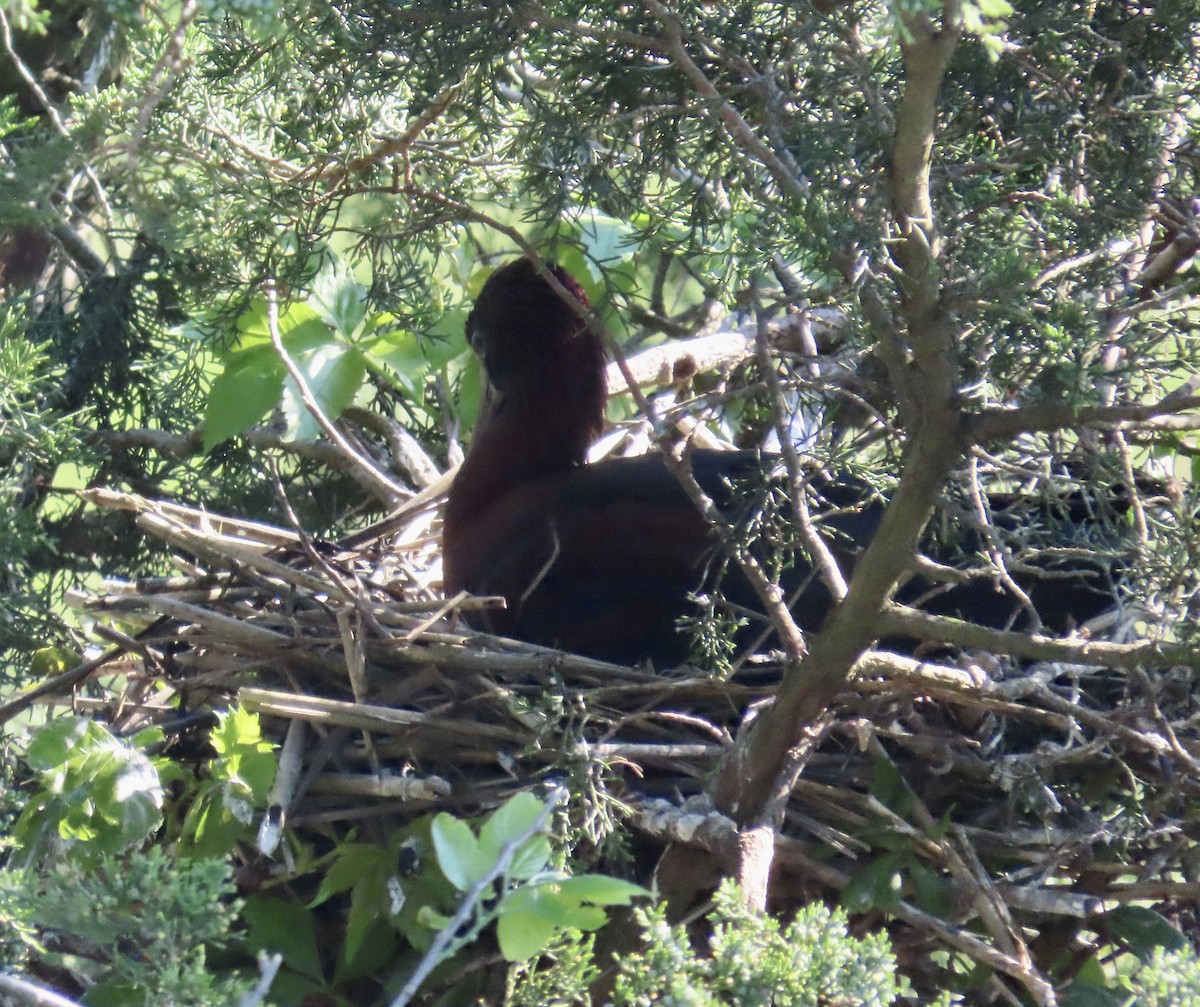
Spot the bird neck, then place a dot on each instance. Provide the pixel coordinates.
(525, 438)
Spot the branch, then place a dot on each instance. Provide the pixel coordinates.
(748, 777)
(181, 446)
(389, 491)
(786, 174)
(39, 996)
(401, 144)
(169, 66)
(993, 424)
(900, 619)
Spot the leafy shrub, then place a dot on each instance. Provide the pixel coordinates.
(753, 960)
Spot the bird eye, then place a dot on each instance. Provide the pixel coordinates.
(476, 338)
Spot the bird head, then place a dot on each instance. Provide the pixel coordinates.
(524, 332)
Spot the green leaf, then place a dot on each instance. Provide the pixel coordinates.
(353, 861)
(1081, 994)
(523, 935)
(458, 851)
(300, 327)
(53, 744)
(334, 374)
(237, 729)
(339, 299)
(47, 661)
(932, 891)
(887, 786)
(465, 367)
(448, 337)
(877, 885)
(509, 822)
(530, 858)
(550, 902)
(401, 353)
(278, 925)
(602, 890)
(608, 240)
(242, 395)
(995, 8)
(1142, 930)
(96, 790)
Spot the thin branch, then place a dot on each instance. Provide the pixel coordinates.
(994, 423)
(31, 993)
(389, 491)
(49, 107)
(166, 71)
(899, 619)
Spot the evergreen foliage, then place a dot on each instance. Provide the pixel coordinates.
(167, 171)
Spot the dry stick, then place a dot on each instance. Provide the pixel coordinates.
(268, 966)
(403, 445)
(994, 423)
(388, 490)
(990, 907)
(192, 443)
(39, 996)
(59, 683)
(899, 619)
(349, 593)
(821, 556)
(994, 551)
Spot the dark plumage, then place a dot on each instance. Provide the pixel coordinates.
(603, 559)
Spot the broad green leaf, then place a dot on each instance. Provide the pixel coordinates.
(334, 374)
(887, 786)
(237, 728)
(513, 819)
(339, 299)
(607, 240)
(1080, 994)
(448, 337)
(530, 858)
(53, 744)
(458, 851)
(523, 935)
(876, 886)
(602, 890)
(284, 927)
(95, 789)
(299, 325)
(401, 353)
(246, 391)
(465, 367)
(353, 861)
(932, 891)
(1143, 930)
(549, 902)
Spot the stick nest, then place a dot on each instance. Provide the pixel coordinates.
(972, 797)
